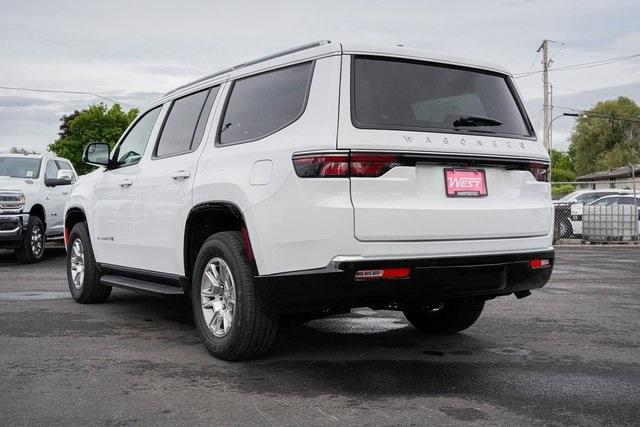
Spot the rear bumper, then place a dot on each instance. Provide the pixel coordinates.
(431, 280)
(12, 228)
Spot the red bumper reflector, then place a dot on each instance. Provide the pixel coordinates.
(247, 244)
(539, 263)
(385, 273)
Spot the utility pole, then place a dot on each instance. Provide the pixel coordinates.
(546, 109)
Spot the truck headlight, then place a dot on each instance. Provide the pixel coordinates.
(12, 201)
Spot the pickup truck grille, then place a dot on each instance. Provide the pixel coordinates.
(11, 201)
(9, 224)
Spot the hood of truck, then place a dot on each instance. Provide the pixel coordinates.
(28, 187)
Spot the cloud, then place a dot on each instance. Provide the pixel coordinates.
(124, 49)
(22, 101)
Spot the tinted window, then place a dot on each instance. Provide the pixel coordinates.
(265, 103)
(180, 124)
(19, 167)
(204, 117)
(396, 94)
(132, 147)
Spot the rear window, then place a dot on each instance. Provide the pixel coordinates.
(400, 94)
(262, 104)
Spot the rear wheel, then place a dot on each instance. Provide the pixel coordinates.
(32, 247)
(233, 321)
(445, 318)
(82, 273)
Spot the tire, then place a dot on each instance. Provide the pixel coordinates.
(32, 248)
(86, 289)
(248, 329)
(566, 230)
(451, 317)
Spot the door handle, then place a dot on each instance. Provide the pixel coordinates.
(182, 174)
(126, 182)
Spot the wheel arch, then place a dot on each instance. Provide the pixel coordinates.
(72, 217)
(38, 210)
(208, 218)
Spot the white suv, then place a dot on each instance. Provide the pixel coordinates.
(33, 192)
(326, 177)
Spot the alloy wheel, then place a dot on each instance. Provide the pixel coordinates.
(37, 241)
(77, 263)
(218, 297)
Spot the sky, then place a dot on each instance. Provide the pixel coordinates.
(133, 51)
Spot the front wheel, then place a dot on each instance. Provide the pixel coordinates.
(82, 272)
(32, 247)
(232, 319)
(445, 318)
(566, 230)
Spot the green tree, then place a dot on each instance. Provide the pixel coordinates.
(96, 123)
(606, 143)
(562, 168)
(20, 150)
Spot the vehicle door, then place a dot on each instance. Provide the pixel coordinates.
(113, 212)
(55, 197)
(164, 185)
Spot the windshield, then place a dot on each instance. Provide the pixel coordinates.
(569, 197)
(400, 94)
(19, 167)
(606, 201)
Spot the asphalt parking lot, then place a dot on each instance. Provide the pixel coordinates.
(569, 354)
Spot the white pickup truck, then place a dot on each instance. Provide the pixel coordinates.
(33, 192)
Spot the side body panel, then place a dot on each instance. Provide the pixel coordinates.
(163, 201)
(291, 223)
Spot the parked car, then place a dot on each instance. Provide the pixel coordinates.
(315, 180)
(611, 218)
(568, 210)
(33, 191)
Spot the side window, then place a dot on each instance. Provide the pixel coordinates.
(65, 170)
(51, 171)
(265, 103)
(132, 148)
(184, 126)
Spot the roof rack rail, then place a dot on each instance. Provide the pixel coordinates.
(253, 62)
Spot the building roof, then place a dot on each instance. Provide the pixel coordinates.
(617, 173)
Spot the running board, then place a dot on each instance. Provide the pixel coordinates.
(140, 285)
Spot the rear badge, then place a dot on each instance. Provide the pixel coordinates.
(465, 182)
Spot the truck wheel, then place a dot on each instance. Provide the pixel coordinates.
(32, 247)
(446, 318)
(231, 317)
(82, 273)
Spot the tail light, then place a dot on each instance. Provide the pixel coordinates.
(540, 171)
(321, 165)
(384, 273)
(338, 165)
(372, 165)
(539, 263)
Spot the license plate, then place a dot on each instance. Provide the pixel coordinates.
(465, 182)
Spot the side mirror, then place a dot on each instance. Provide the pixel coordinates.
(96, 154)
(54, 182)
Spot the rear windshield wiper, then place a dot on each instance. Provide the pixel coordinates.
(476, 121)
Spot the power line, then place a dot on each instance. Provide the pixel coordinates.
(599, 115)
(581, 66)
(72, 92)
